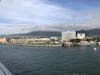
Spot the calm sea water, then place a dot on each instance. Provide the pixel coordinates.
(25, 60)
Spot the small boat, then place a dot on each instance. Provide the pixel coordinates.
(94, 49)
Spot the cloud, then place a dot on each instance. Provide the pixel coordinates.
(12, 29)
(92, 17)
(32, 11)
(29, 15)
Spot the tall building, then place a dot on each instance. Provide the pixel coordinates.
(81, 35)
(66, 36)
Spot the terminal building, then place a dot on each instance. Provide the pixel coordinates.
(66, 36)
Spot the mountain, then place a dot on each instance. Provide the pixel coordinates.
(44, 33)
(95, 31)
(40, 33)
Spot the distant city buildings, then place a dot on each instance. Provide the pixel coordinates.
(3, 40)
(29, 40)
(68, 35)
(67, 38)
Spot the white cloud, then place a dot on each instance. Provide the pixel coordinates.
(33, 11)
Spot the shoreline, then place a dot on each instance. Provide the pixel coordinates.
(30, 44)
(47, 45)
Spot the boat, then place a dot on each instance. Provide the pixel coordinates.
(94, 49)
(4, 70)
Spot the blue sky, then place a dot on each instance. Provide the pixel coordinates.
(77, 4)
(18, 16)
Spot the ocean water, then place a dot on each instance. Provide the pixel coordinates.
(28, 60)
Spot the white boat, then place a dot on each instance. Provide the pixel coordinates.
(4, 70)
(94, 49)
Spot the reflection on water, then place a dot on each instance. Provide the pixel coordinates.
(25, 60)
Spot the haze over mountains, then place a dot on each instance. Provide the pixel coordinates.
(23, 28)
(62, 27)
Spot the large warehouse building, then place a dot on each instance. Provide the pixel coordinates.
(66, 36)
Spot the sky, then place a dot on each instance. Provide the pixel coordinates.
(21, 16)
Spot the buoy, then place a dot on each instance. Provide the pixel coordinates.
(94, 49)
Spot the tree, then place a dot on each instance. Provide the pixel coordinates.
(75, 40)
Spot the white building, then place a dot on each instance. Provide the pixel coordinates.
(81, 35)
(3, 40)
(66, 36)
